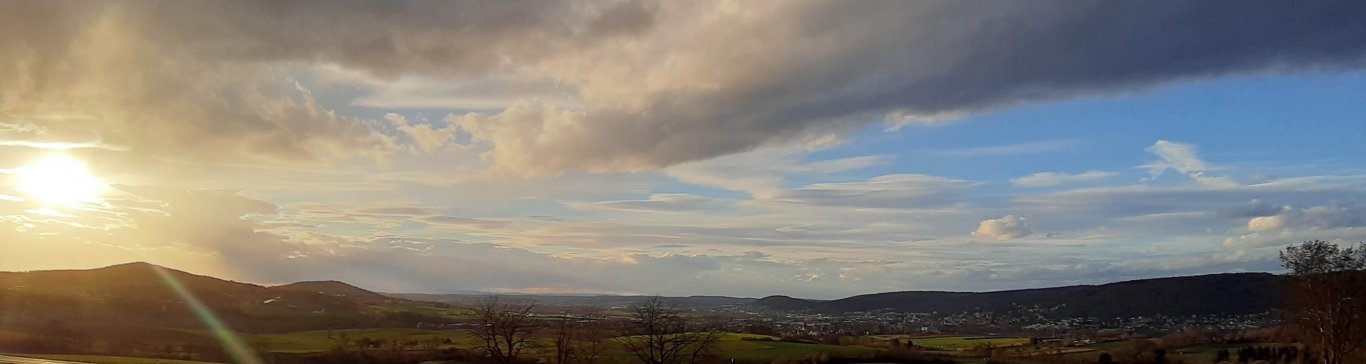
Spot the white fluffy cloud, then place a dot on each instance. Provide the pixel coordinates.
(1266, 223)
(1330, 216)
(1009, 227)
(424, 136)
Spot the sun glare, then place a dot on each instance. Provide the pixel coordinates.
(59, 180)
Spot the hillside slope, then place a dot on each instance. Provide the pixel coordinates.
(333, 288)
(136, 295)
(1232, 293)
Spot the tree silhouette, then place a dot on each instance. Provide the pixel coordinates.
(505, 327)
(1326, 297)
(658, 334)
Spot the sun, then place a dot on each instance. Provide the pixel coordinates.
(59, 180)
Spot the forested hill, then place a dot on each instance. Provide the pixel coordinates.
(1214, 294)
(141, 294)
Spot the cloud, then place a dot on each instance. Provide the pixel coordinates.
(1048, 179)
(190, 106)
(424, 137)
(396, 210)
(215, 229)
(1009, 227)
(299, 92)
(1252, 208)
(889, 191)
(719, 94)
(897, 120)
(465, 222)
(636, 85)
(1266, 223)
(1204, 206)
(1264, 240)
(1330, 216)
(1183, 158)
(762, 172)
(663, 202)
(1012, 149)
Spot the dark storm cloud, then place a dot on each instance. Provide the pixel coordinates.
(816, 68)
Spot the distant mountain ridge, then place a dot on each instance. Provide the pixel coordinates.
(1213, 294)
(335, 288)
(600, 300)
(135, 292)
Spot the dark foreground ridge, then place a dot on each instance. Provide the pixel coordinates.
(136, 295)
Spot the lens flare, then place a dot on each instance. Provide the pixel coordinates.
(233, 345)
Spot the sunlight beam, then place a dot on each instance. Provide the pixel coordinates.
(233, 345)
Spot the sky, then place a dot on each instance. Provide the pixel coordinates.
(814, 149)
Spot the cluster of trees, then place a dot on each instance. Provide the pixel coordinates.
(654, 333)
(1325, 310)
(1326, 299)
(1267, 354)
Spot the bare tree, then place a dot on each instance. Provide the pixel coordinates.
(658, 334)
(505, 327)
(1326, 297)
(594, 336)
(566, 328)
(581, 337)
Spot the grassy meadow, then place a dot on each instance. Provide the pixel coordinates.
(103, 359)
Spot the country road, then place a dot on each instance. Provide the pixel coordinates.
(6, 359)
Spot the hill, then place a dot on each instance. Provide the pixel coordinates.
(333, 288)
(133, 295)
(785, 303)
(1232, 293)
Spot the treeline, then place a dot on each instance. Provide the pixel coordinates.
(1266, 354)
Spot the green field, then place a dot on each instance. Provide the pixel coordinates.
(100, 359)
(955, 343)
(316, 341)
(734, 346)
(423, 308)
(730, 345)
(742, 347)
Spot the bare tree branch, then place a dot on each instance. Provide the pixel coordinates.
(658, 334)
(505, 327)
